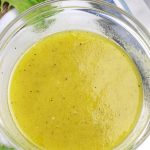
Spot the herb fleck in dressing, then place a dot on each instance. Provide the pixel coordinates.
(75, 90)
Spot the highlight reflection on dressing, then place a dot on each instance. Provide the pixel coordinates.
(75, 90)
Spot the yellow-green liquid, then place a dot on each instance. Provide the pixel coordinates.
(75, 90)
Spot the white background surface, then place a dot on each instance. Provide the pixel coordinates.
(138, 8)
(141, 11)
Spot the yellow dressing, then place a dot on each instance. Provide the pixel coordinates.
(75, 90)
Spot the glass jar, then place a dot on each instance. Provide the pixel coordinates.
(55, 16)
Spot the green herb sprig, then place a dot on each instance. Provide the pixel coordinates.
(19, 5)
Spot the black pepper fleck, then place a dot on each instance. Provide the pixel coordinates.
(51, 99)
(37, 91)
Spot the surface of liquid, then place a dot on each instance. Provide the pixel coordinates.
(75, 90)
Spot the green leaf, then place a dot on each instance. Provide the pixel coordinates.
(21, 5)
(37, 15)
(2, 147)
